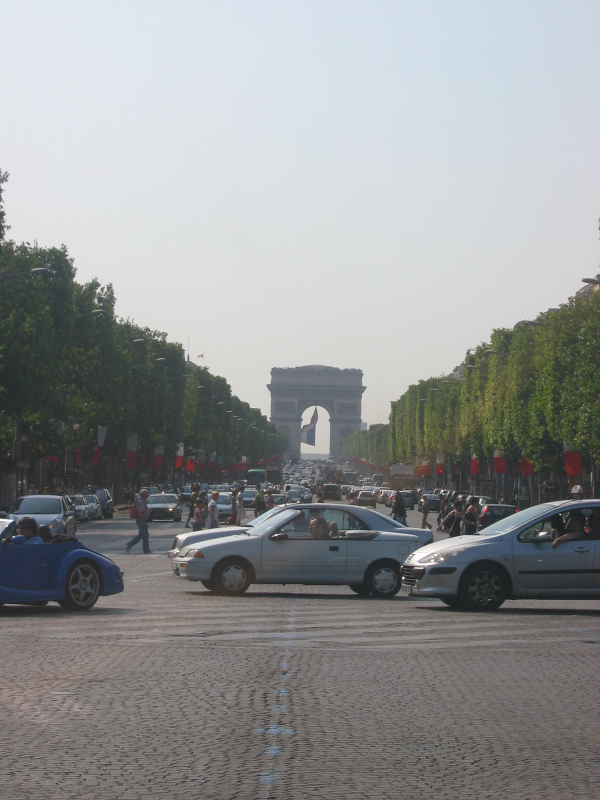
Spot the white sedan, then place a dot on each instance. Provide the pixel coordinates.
(281, 549)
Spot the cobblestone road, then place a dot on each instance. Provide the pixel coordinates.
(290, 693)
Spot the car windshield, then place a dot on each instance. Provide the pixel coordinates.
(91, 498)
(77, 499)
(162, 499)
(259, 520)
(224, 500)
(37, 505)
(267, 524)
(514, 520)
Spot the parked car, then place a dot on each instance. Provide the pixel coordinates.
(94, 506)
(164, 506)
(366, 499)
(492, 513)
(281, 550)
(82, 511)
(47, 509)
(63, 571)
(513, 558)
(106, 502)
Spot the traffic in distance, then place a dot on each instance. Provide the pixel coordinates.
(309, 529)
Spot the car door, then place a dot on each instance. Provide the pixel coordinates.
(542, 568)
(291, 555)
(27, 567)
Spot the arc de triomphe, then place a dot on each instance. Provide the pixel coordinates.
(338, 391)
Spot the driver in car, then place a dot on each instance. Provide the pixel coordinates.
(318, 528)
(575, 529)
(27, 532)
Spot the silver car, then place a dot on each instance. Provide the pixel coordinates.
(82, 511)
(94, 506)
(47, 509)
(548, 551)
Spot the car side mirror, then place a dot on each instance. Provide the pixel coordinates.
(542, 536)
(278, 537)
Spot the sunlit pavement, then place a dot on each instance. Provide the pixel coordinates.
(168, 691)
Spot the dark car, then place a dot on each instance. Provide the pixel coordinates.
(331, 491)
(493, 512)
(432, 499)
(106, 502)
(410, 498)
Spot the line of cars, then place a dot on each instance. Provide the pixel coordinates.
(61, 513)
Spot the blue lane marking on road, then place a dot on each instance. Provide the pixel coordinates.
(272, 750)
(285, 664)
(269, 777)
(278, 709)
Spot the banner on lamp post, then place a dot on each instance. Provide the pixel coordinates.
(159, 457)
(573, 463)
(499, 463)
(179, 456)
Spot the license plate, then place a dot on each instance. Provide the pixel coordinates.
(406, 589)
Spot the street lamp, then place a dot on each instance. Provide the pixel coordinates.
(161, 360)
(138, 341)
(594, 281)
(34, 271)
(97, 312)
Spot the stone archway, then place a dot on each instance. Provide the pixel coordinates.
(338, 391)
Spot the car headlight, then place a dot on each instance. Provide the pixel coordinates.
(193, 554)
(170, 509)
(436, 558)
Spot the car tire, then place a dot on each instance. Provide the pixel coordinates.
(360, 589)
(232, 577)
(208, 585)
(82, 586)
(383, 579)
(482, 588)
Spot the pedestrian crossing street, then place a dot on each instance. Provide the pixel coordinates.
(156, 607)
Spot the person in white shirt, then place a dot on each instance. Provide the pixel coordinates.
(241, 511)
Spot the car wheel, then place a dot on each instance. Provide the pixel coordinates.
(383, 579)
(482, 588)
(208, 585)
(232, 577)
(360, 589)
(82, 587)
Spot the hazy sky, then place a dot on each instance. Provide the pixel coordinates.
(360, 184)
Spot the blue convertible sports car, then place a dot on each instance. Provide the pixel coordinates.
(65, 572)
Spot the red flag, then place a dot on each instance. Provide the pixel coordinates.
(50, 459)
(131, 460)
(96, 457)
(573, 463)
(499, 463)
(159, 461)
(527, 467)
(179, 462)
(190, 464)
(77, 454)
(425, 471)
(475, 466)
